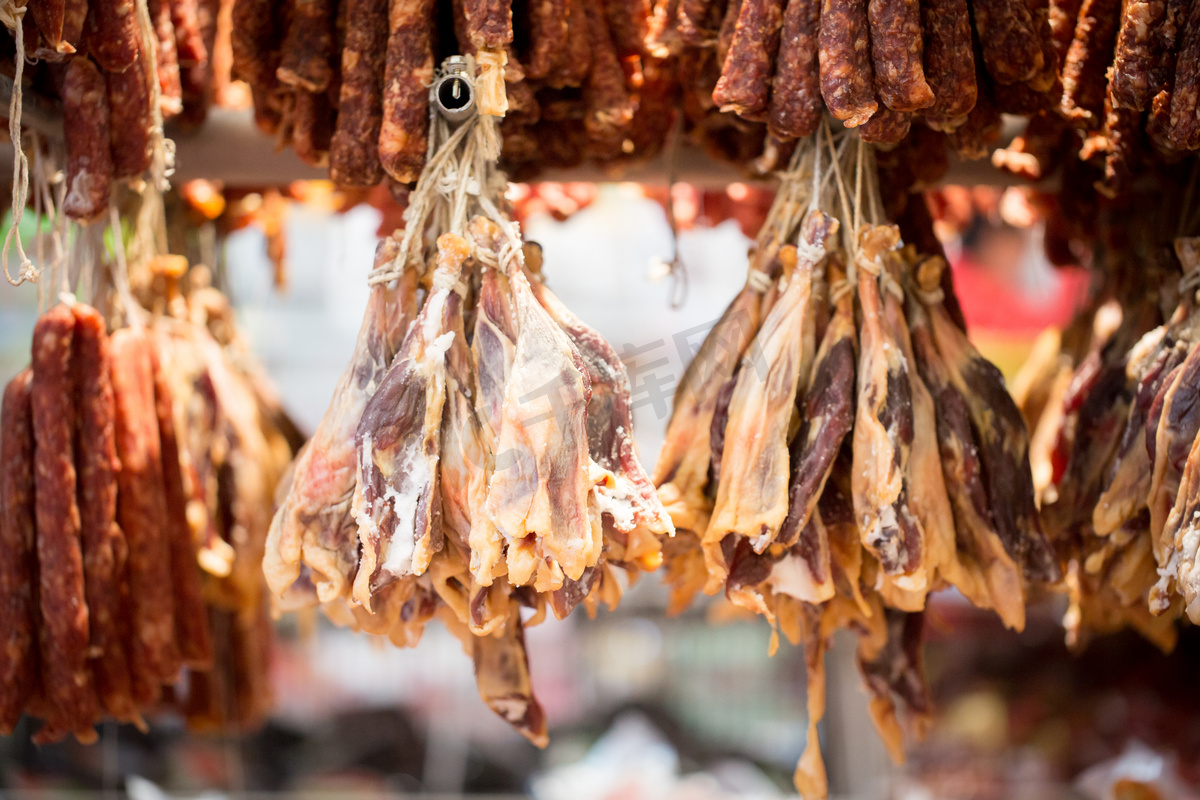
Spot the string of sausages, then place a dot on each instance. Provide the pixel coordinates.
(126, 461)
(346, 83)
(107, 76)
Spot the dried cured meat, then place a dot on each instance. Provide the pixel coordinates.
(64, 641)
(745, 83)
(112, 32)
(398, 441)
(1085, 67)
(949, 64)
(89, 164)
(896, 45)
(104, 550)
(130, 121)
(845, 65)
(19, 669)
(354, 150)
(141, 509)
(308, 47)
(796, 106)
(1184, 130)
(1011, 46)
(408, 71)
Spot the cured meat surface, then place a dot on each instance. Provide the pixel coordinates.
(308, 48)
(883, 429)
(89, 164)
(142, 513)
(896, 45)
(66, 674)
(191, 616)
(538, 493)
(104, 548)
(314, 524)
(396, 501)
(354, 151)
(745, 83)
(949, 62)
(112, 32)
(845, 61)
(796, 105)
(408, 71)
(19, 612)
(752, 492)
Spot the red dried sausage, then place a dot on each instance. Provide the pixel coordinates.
(19, 613)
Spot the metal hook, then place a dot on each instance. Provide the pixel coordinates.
(453, 91)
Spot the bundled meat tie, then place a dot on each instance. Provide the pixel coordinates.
(109, 495)
(346, 83)
(477, 457)
(831, 463)
(1116, 459)
(109, 73)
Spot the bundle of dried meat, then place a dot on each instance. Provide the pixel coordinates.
(117, 75)
(1123, 432)
(137, 469)
(477, 458)
(849, 458)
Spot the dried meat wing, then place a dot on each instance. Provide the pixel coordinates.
(66, 673)
(1177, 427)
(977, 563)
(538, 491)
(502, 675)
(883, 428)
(1002, 436)
(1129, 486)
(752, 494)
(19, 613)
(464, 463)
(104, 548)
(1183, 530)
(396, 501)
(893, 669)
(314, 524)
(681, 472)
(827, 415)
(630, 500)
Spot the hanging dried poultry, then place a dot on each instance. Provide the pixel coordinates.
(314, 527)
(484, 436)
(752, 493)
(907, 458)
